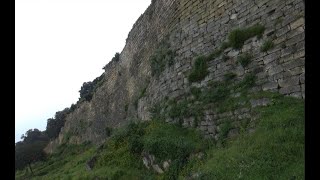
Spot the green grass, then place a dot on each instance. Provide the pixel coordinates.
(267, 45)
(274, 151)
(196, 92)
(225, 45)
(199, 70)
(237, 37)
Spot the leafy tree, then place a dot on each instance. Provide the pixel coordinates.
(116, 58)
(86, 91)
(34, 135)
(55, 124)
(27, 153)
(30, 149)
(88, 88)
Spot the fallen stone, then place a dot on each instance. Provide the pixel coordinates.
(270, 85)
(289, 81)
(233, 16)
(166, 165)
(260, 102)
(157, 168)
(290, 89)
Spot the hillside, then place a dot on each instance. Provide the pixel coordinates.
(270, 147)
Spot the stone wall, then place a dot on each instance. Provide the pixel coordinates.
(193, 27)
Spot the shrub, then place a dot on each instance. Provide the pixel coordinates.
(196, 92)
(213, 55)
(89, 88)
(199, 70)
(238, 36)
(225, 58)
(115, 58)
(216, 93)
(162, 57)
(229, 76)
(224, 130)
(244, 59)
(108, 131)
(247, 82)
(225, 45)
(267, 45)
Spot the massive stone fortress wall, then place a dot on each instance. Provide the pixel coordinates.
(193, 27)
(204, 25)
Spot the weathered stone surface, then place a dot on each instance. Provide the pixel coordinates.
(233, 53)
(233, 16)
(290, 89)
(296, 94)
(297, 23)
(302, 76)
(275, 69)
(271, 57)
(269, 86)
(291, 81)
(260, 102)
(212, 129)
(297, 70)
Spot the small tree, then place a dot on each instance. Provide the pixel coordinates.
(116, 58)
(26, 153)
(86, 91)
(30, 149)
(55, 124)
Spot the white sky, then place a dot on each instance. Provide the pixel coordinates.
(59, 44)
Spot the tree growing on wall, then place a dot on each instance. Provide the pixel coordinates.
(116, 58)
(88, 88)
(55, 124)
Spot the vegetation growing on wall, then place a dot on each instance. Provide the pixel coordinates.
(89, 88)
(142, 94)
(115, 58)
(244, 59)
(55, 124)
(163, 57)
(229, 76)
(267, 45)
(237, 37)
(199, 70)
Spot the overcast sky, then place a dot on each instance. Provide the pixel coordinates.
(59, 44)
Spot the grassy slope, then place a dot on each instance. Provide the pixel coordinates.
(275, 150)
